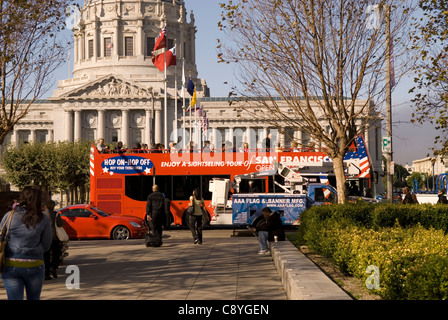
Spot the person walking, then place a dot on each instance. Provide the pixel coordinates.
(28, 238)
(198, 217)
(52, 257)
(155, 215)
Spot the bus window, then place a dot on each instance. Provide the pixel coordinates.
(139, 187)
(136, 187)
(165, 186)
(205, 183)
(183, 186)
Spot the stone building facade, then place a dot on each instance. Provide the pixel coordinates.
(116, 92)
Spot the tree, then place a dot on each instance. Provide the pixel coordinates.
(400, 176)
(31, 164)
(51, 166)
(320, 57)
(72, 166)
(430, 42)
(29, 52)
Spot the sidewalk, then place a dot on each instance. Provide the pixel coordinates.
(224, 267)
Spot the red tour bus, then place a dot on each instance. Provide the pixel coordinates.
(121, 182)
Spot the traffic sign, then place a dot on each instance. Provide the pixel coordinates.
(387, 145)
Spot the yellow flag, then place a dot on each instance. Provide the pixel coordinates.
(193, 99)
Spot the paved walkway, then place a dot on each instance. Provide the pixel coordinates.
(223, 268)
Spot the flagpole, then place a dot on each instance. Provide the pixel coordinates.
(195, 125)
(165, 115)
(175, 96)
(183, 98)
(191, 123)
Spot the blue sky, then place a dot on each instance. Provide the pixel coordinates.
(410, 142)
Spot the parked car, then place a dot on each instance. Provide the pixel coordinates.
(83, 221)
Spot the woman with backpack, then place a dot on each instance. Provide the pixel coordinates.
(28, 238)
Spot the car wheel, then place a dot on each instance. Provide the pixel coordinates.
(121, 233)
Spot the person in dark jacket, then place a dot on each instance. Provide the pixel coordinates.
(53, 256)
(156, 215)
(442, 197)
(269, 228)
(408, 199)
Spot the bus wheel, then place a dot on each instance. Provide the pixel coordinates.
(121, 233)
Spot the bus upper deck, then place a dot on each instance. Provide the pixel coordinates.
(122, 181)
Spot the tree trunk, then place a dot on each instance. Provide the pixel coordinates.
(338, 165)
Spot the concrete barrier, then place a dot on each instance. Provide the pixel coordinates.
(301, 278)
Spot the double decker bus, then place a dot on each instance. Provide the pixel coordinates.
(121, 182)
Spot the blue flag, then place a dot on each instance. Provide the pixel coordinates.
(190, 87)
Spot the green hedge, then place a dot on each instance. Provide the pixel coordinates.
(408, 244)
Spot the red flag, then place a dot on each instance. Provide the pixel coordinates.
(159, 60)
(171, 57)
(161, 40)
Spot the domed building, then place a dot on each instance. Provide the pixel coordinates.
(116, 92)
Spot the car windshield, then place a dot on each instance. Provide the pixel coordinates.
(100, 212)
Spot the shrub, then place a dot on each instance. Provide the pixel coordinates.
(407, 243)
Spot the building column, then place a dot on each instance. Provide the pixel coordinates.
(95, 41)
(148, 128)
(75, 50)
(125, 128)
(32, 135)
(15, 138)
(281, 139)
(115, 41)
(78, 128)
(50, 136)
(230, 136)
(158, 127)
(69, 125)
(100, 128)
(139, 41)
(298, 137)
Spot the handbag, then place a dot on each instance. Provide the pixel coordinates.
(4, 240)
(60, 231)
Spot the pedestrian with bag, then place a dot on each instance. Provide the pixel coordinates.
(198, 217)
(28, 237)
(52, 257)
(155, 216)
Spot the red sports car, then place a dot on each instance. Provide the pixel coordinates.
(83, 221)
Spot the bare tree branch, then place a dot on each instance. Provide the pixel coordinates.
(320, 57)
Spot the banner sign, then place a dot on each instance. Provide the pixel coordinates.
(247, 207)
(127, 165)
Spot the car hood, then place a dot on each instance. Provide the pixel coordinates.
(126, 218)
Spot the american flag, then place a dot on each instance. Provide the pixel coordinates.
(363, 156)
